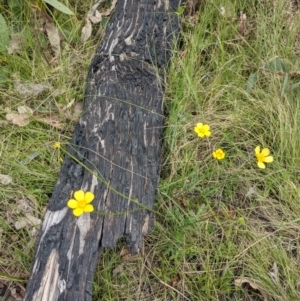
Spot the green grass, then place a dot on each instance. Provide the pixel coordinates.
(219, 221)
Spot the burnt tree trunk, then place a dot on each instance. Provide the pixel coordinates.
(114, 153)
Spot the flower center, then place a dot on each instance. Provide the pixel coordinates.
(81, 204)
(202, 130)
(260, 157)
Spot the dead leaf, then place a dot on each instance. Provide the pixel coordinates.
(228, 10)
(255, 284)
(109, 10)
(92, 11)
(242, 24)
(34, 232)
(118, 269)
(182, 53)
(25, 110)
(191, 7)
(77, 110)
(14, 237)
(23, 205)
(70, 104)
(5, 179)
(53, 36)
(15, 293)
(15, 43)
(18, 119)
(97, 18)
(51, 120)
(94, 16)
(273, 273)
(29, 158)
(28, 89)
(222, 10)
(22, 223)
(34, 221)
(58, 92)
(68, 112)
(26, 204)
(21, 118)
(27, 220)
(86, 31)
(126, 255)
(252, 192)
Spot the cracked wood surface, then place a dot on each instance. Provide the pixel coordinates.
(115, 153)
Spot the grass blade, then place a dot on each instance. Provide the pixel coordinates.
(59, 6)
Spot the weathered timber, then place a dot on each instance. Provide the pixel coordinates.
(115, 153)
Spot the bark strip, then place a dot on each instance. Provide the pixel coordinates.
(115, 153)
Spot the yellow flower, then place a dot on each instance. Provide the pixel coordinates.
(81, 203)
(263, 157)
(56, 145)
(202, 130)
(219, 154)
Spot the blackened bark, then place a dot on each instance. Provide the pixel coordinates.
(115, 153)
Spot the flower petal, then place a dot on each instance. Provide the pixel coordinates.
(73, 204)
(261, 165)
(79, 195)
(56, 145)
(265, 152)
(257, 150)
(88, 208)
(88, 197)
(221, 155)
(199, 125)
(268, 159)
(206, 127)
(77, 211)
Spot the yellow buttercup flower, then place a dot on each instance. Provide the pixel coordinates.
(263, 157)
(81, 202)
(219, 154)
(56, 145)
(202, 130)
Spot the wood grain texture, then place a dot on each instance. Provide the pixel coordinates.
(115, 153)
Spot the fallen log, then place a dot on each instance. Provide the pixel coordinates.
(114, 153)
